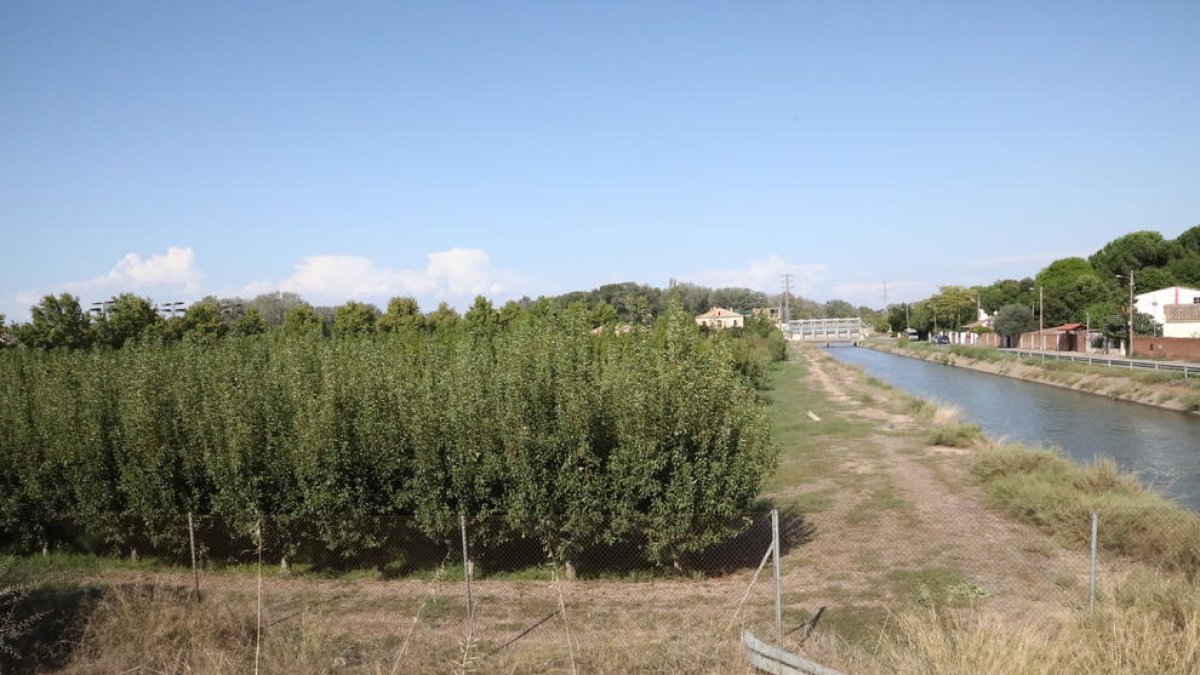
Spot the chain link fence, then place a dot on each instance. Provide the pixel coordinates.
(378, 595)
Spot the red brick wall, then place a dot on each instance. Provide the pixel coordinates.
(1171, 349)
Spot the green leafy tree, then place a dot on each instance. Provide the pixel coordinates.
(56, 322)
(353, 319)
(639, 312)
(840, 309)
(1190, 240)
(303, 320)
(402, 313)
(273, 307)
(443, 318)
(251, 323)
(1186, 269)
(510, 312)
(604, 314)
(1154, 278)
(129, 317)
(1013, 320)
(1134, 251)
(1007, 292)
(1069, 286)
(203, 323)
(739, 299)
(694, 299)
(953, 306)
(481, 317)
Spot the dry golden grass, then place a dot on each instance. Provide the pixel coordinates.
(158, 629)
(1148, 625)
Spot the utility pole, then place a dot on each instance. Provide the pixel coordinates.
(1042, 316)
(1129, 347)
(787, 294)
(887, 315)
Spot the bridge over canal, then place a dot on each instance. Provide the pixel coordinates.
(826, 330)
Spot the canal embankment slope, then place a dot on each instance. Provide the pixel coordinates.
(1160, 389)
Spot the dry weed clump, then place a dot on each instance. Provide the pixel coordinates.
(1149, 625)
(13, 624)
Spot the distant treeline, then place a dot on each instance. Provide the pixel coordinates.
(64, 322)
(529, 423)
(1094, 290)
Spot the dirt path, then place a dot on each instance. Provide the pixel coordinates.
(906, 521)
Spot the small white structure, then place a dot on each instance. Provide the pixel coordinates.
(719, 317)
(1155, 302)
(1182, 320)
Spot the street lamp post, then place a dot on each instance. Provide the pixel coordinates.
(1129, 342)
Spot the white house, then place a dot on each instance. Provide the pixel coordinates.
(1154, 302)
(719, 317)
(1182, 320)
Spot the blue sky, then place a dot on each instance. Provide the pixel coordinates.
(444, 149)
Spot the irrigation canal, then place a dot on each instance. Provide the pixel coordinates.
(1162, 446)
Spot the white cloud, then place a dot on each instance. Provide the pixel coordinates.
(340, 277)
(766, 275)
(462, 271)
(457, 272)
(173, 272)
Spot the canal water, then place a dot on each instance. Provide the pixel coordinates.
(1162, 446)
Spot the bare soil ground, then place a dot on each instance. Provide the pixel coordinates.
(932, 517)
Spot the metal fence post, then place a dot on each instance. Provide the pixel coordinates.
(1092, 584)
(778, 573)
(462, 521)
(192, 541)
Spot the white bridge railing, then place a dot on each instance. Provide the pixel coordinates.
(826, 330)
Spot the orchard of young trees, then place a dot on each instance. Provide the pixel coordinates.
(523, 420)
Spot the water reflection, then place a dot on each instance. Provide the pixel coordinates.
(1162, 446)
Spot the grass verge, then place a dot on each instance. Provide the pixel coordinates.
(1040, 486)
(1149, 625)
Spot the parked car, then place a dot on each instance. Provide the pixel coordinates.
(939, 340)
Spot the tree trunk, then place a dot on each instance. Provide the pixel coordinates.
(569, 570)
(283, 564)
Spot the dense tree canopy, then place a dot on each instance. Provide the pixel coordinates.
(354, 318)
(57, 322)
(401, 313)
(1134, 251)
(128, 317)
(1068, 287)
(537, 428)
